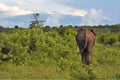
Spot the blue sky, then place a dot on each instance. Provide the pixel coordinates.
(92, 12)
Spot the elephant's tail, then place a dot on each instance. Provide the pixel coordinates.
(85, 41)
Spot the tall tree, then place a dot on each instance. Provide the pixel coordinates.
(36, 22)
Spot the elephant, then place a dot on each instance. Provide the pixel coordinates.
(85, 39)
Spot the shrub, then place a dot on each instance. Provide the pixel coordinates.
(108, 39)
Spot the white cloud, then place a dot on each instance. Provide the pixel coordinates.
(74, 12)
(79, 13)
(53, 20)
(40, 6)
(55, 16)
(93, 17)
(48, 6)
(12, 11)
(62, 9)
(21, 7)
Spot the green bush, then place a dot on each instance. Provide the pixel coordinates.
(108, 39)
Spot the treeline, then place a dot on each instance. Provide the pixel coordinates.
(99, 28)
(110, 28)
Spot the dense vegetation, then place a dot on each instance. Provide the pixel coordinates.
(52, 53)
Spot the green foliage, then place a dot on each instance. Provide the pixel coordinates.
(108, 39)
(52, 53)
(118, 38)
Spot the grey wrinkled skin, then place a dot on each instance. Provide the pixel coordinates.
(85, 40)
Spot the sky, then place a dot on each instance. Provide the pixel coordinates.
(92, 12)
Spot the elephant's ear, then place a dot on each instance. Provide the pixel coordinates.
(93, 31)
